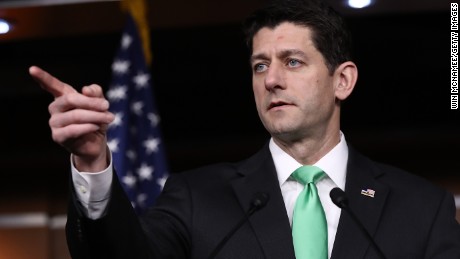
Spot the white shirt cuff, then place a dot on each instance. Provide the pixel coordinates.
(93, 189)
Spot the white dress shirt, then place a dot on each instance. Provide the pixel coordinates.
(93, 189)
(334, 164)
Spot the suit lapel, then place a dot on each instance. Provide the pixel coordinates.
(270, 224)
(361, 175)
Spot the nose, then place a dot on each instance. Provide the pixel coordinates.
(274, 78)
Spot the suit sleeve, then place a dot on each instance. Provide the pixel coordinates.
(444, 241)
(161, 233)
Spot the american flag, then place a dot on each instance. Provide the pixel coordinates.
(134, 136)
(368, 192)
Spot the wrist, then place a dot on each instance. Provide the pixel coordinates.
(92, 164)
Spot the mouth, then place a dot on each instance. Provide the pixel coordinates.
(277, 104)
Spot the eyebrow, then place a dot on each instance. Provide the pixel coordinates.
(282, 54)
(257, 57)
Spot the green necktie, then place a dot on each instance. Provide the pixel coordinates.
(309, 226)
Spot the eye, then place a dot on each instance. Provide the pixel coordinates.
(260, 67)
(294, 63)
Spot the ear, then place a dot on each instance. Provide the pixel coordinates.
(346, 75)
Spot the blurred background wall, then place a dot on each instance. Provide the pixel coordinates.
(399, 113)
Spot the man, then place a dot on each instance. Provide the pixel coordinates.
(300, 58)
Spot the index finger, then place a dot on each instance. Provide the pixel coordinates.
(50, 83)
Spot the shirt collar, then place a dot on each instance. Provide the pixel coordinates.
(334, 163)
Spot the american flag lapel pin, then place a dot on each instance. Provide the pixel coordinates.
(368, 192)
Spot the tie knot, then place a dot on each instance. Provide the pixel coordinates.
(308, 174)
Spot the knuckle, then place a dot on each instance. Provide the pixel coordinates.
(51, 108)
(74, 116)
(52, 122)
(70, 98)
(56, 137)
(57, 121)
(97, 89)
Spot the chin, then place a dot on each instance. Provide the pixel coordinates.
(281, 130)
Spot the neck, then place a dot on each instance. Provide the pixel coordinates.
(308, 151)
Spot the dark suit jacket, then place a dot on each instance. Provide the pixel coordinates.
(408, 217)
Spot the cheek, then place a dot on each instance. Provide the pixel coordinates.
(324, 88)
(258, 90)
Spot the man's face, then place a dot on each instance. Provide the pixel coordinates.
(293, 89)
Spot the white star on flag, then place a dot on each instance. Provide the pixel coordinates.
(113, 145)
(131, 154)
(120, 66)
(141, 80)
(117, 93)
(145, 172)
(136, 108)
(151, 145)
(126, 41)
(141, 198)
(162, 180)
(117, 121)
(154, 119)
(129, 180)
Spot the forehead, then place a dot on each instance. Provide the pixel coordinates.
(284, 35)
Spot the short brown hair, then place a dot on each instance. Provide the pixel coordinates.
(330, 34)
